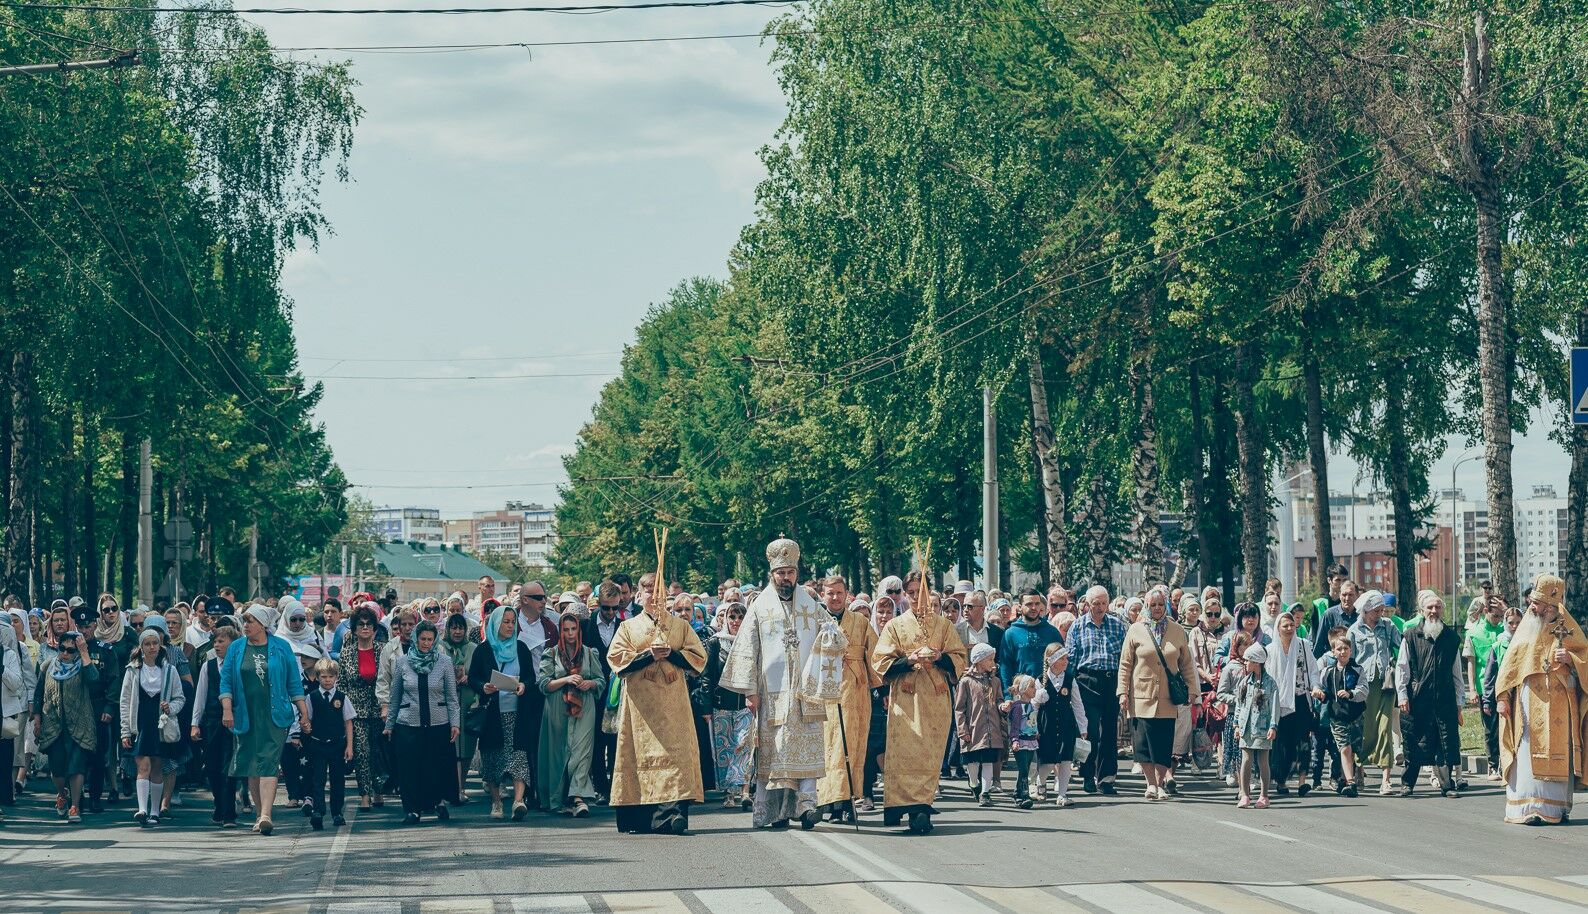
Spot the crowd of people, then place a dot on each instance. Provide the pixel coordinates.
(798, 701)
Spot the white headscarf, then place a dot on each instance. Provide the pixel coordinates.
(304, 641)
(1282, 665)
(901, 603)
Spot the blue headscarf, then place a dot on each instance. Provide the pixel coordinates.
(64, 671)
(504, 649)
(424, 661)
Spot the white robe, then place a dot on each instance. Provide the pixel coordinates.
(767, 661)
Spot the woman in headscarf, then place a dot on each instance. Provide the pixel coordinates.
(150, 690)
(882, 612)
(296, 629)
(13, 699)
(261, 686)
(1155, 647)
(65, 719)
(572, 681)
(460, 650)
(892, 588)
(424, 724)
(1290, 663)
(1375, 640)
(28, 656)
(732, 723)
(360, 662)
(503, 733)
(1541, 696)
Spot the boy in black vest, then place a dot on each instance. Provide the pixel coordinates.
(327, 747)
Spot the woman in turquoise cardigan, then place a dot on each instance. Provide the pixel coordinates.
(260, 685)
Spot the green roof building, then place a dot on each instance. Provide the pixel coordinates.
(420, 570)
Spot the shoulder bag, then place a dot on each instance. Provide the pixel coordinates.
(1179, 692)
(170, 726)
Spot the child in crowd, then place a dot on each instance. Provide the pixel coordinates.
(216, 740)
(1023, 737)
(327, 748)
(1061, 719)
(1345, 691)
(1254, 700)
(979, 721)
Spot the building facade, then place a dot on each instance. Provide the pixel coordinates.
(410, 525)
(526, 530)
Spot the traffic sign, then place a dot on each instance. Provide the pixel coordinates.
(1579, 385)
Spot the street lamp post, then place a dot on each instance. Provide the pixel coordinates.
(1455, 557)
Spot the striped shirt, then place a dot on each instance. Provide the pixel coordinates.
(1094, 646)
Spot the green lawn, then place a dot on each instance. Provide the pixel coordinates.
(1471, 731)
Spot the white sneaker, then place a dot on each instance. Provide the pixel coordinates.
(496, 810)
(1151, 793)
(1061, 802)
(1229, 781)
(1135, 768)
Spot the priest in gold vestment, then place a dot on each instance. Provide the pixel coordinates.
(918, 655)
(1540, 694)
(842, 788)
(656, 773)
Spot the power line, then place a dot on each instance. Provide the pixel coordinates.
(464, 377)
(462, 359)
(401, 11)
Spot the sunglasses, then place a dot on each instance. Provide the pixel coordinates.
(108, 611)
(535, 596)
(895, 590)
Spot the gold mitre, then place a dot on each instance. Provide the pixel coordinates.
(783, 553)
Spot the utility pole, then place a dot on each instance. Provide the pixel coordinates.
(989, 485)
(145, 525)
(253, 561)
(126, 59)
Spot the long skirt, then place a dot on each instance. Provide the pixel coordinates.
(567, 745)
(1528, 797)
(1152, 740)
(367, 770)
(507, 763)
(731, 746)
(1378, 731)
(426, 766)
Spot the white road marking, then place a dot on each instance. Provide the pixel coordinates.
(1580, 880)
(1120, 896)
(888, 867)
(551, 904)
(1499, 896)
(390, 906)
(1307, 898)
(847, 862)
(735, 901)
(932, 898)
(1256, 831)
(333, 861)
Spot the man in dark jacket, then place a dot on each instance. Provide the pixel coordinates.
(599, 630)
(1027, 638)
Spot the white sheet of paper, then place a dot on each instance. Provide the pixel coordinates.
(504, 682)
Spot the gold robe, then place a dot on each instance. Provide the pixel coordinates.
(859, 680)
(1557, 711)
(658, 759)
(919, 706)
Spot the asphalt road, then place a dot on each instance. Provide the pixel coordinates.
(1107, 845)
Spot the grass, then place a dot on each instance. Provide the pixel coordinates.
(1471, 731)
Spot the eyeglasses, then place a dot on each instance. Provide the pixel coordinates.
(295, 622)
(108, 611)
(534, 596)
(895, 590)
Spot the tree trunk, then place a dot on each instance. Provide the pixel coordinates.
(1400, 479)
(91, 584)
(129, 518)
(1201, 526)
(1146, 532)
(1219, 491)
(10, 529)
(1481, 180)
(1053, 512)
(1317, 457)
(18, 560)
(1254, 480)
(70, 583)
(1092, 521)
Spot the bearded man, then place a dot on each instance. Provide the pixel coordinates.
(1429, 688)
(1540, 697)
(766, 666)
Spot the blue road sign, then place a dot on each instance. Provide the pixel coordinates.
(1579, 385)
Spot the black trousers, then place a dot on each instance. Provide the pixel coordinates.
(1292, 743)
(1323, 746)
(294, 772)
(325, 763)
(1100, 696)
(426, 765)
(1491, 737)
(217, 752)
(601, 762)
(8, 790)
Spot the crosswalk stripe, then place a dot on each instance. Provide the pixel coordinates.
(841, 896)
(551, 904)
(1499, 896)
(1408, 896)
(1307, 898)
(456, 906)
(362, 907)
(292, 909)
(1541, 886)
(645, 903)
(932, 898)
(734, 901)
(1580, 880)
(1219, 897)
(1025, 901)
(1121, 896)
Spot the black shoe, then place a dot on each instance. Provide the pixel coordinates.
(317, 823)
(1172, 788)
(339, 820)
(920, 823)
(411, 819)
(96, 806)
(678, 824)
(780, 824)
(1303, 789)
(1107, 787)
(809, 819)
(443, 813)
(1025, 803)
(1089, 785)
(308, 810)
(1282, 790)
(1349, 791)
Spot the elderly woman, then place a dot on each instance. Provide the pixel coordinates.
(503, 733)
(66, 717)
(261, 685)
(360, 663)
(150, 690)
(1155, 648)
(1375, 640)
(14, 698)
(732, 723)
(572, 680)
(423, 724)
(460, 649)
(1295, 673)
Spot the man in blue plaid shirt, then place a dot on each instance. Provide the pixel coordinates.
(1096, 640)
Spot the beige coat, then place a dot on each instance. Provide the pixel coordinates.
(1143, 678)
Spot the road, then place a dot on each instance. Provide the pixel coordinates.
(1199, 852)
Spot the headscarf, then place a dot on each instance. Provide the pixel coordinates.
(112, 632)
(8, 634)
(65, 671)
(1370, 599)
(572, 661)
(304, 641)
(423, 661)
(876, 622)
(156, 622)
(505, 650)
(901, 603)
(259, 614)
(1282, 665)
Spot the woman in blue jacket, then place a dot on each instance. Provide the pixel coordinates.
(260, 684)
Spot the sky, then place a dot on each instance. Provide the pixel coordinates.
(515, 212)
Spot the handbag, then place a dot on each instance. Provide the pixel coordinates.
(1083, 750)
(614, 702)
(1179, 692)
(11, 727)
(170, 726)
